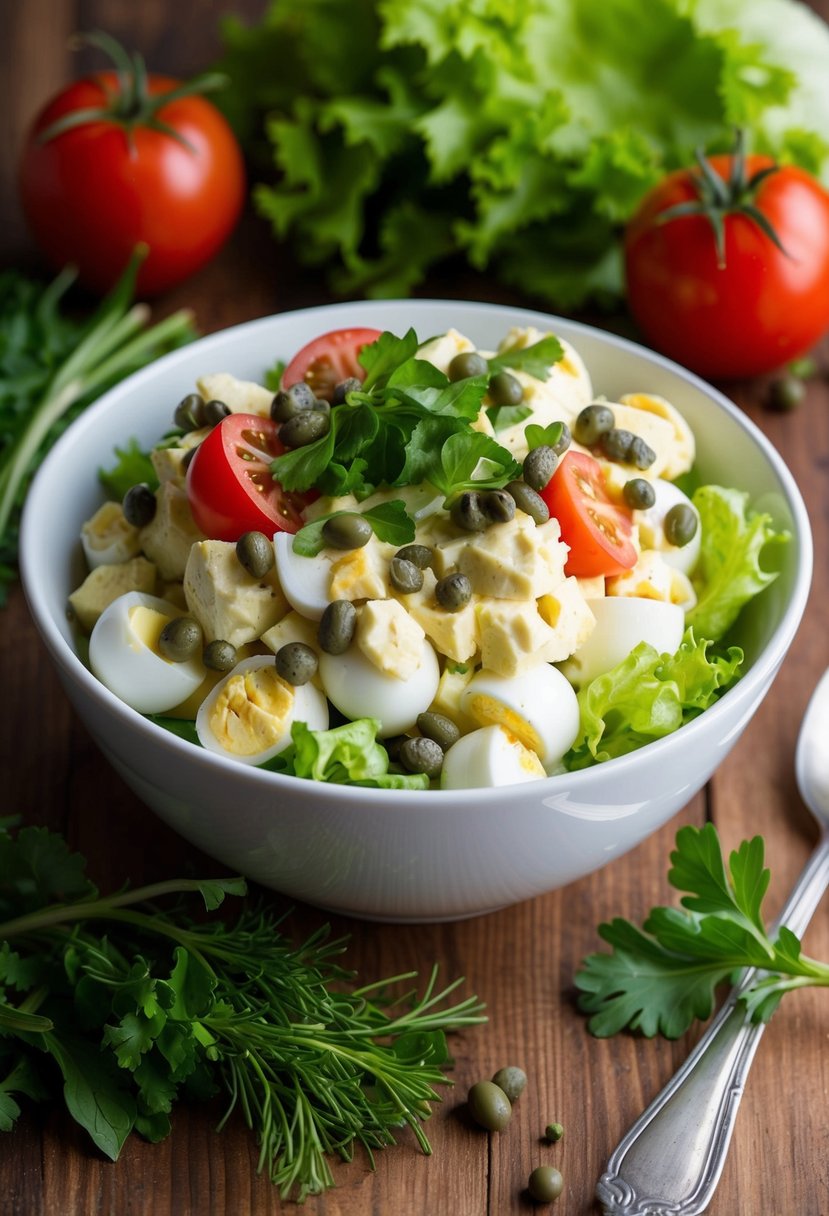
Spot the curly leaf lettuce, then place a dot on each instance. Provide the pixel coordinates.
(346, 755)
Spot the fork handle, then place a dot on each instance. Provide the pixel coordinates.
(670, 1161)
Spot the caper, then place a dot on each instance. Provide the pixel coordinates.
(337, 625)
(564, 440)
(639, 494)
(341, 390)
(467, 513)
(305, 427)
(180, 638)
(421, 755)
(439, 728)
(418, 555)
(539, 465)
(453, 591)
(512, 1080)
(553, 1132)
(545, 1184)
(528, 501)
(296, 663)
(616, 443)
(467, 363)
(489, 1106)
(139, 505)
(289, 402)
(786, 394)
(405, 576)
(213, 411)
(393, 745)
(498, 506)
(680, 524)
(188, 412)
(219, 655)
(505, 389)
(641, 454)
(593, 422)
(255, 552)
(321, 406)
(346, 530)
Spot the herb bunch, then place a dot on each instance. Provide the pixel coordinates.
(658, 979)
(135, 1007)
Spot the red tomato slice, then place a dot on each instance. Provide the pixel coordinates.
(230, 486)
(598, 532)
(327, 360)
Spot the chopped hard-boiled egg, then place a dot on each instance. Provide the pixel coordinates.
(359, 689)
(538, 707)
(622, 622)
(488, 757)
(107, 538)
(249, 714)
(124, 654)
(304, 580)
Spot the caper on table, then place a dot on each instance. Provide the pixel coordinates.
(180, 638)
(489, 1106)
(453, 591)
(593, 422)
(219, 655)
(337, 625)
(346, 530)
(255, 553)
(528, 501)
(513, 1081)
(296, 663)
(680, 524)
(467, 363)
(505, 389)
(545, 1184)
(139, 505)
(539, 465)
(639, 494)
(553, 1132)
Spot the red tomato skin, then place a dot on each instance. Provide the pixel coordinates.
(223, 489)
(328, 359)
(91, 194)
(761, 310)
(598, 533)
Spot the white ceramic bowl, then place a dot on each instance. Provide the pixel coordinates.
(407, 855)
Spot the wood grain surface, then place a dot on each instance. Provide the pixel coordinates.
(521, 960)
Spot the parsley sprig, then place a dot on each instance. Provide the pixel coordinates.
(126, 1007)
(661, 977)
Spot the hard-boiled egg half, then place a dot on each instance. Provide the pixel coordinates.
(249, 714)
(538, 707)
(124, 654)
(304, 580)
(359, 689)
(622, 622)
(487, 757)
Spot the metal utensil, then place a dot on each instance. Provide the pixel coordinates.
(671, 1159)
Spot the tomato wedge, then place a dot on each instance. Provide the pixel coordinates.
(599, 534)
(329, 359)
(230, 486)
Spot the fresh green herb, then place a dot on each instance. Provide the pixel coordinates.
(52, 366)
(661, 977)
(535, 360)
(388, 520)
(133, 467)
(273, 376)
(538, 436)
(133, 1007)
(503, 417)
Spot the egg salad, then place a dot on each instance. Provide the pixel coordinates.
(437, 566)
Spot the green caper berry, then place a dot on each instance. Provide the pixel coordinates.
(453, 592)
(213, 412)
(786, 394)
(641, 454)
(337, 625)
(528, 501)
(346, 530)
(466, 511)
(467, 363)
(321, 406)
(289, 402)
(512, 1080)
(341, 390)
(489, 1106)
(405, 576)
(393, 745)
(219, 655)
(680, 524)
(539, 466)
(439, 728)
(592, 423)
(639, 494)
(188, 412)
(498, 506)
(553, 1132)
(418, 555)
(616, 444)
(139, 505)
(304, 428)
(564, 440)
(505, 389)
(421, 755)
(545, 1184)
(255, 552)
(180, 638)
(296, 663)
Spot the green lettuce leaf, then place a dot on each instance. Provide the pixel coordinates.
(349, 754)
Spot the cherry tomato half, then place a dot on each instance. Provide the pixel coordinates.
(329, 359)
(598, 532)
(230, 486)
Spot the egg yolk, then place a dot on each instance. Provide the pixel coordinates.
(251, 712)
(146, 625)
(488, 712)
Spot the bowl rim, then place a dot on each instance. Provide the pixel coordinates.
(67, 658)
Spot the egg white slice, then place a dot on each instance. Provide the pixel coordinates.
(304, 580)
(107, 538)
(361, 690)
(652, 527)
(124, 656)
(249, 714)
(622, 622)
(487, 757)
(538, 707)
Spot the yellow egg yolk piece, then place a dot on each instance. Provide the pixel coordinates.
(251, 711)
(146, 625)
(488, 712)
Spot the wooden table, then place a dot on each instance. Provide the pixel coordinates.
(521, 960)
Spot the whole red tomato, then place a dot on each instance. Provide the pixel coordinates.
(109, 164)
(727, 266)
